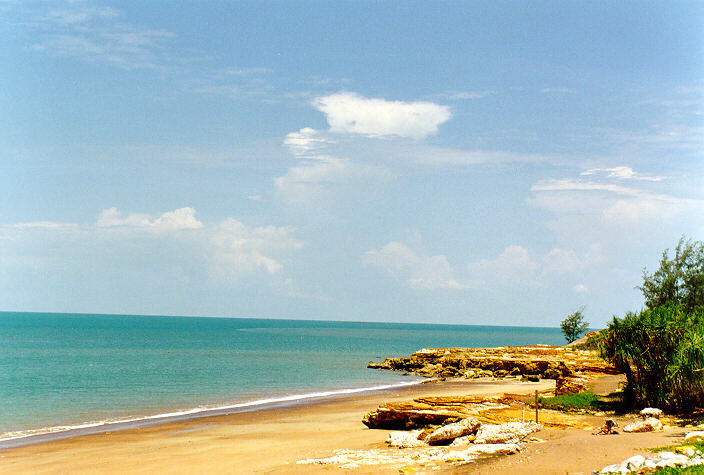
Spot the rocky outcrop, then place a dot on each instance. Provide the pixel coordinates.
(550, 362)
(449, 432)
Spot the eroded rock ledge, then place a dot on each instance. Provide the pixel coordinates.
(530, 362)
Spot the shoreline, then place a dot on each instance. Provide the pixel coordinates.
(268, 440)
(52, 433)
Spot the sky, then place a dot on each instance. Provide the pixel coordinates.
(500, 163)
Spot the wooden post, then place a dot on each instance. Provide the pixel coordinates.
(536, 405)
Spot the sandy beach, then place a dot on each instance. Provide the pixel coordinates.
(271, 441)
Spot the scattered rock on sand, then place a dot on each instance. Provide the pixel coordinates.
(449, 432)
(404, 439)
(647, 425)
(508, 433)
(639, 463)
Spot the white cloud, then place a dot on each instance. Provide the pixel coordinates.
(514, 266)
(228, 250)
(242, 249)
(182, 218)
(353, 114)
(463, 95)
(580, 289)
(304, 142)
(420, 271)
(549, 90)
(254, 197)
(313, 180)
(96, 33)
(609, 202)
(622, 173)
(45, 225)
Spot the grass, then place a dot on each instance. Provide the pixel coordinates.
(680, 470)
(670, 448)
(583, 400)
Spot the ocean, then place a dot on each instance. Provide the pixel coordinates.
(65, 371)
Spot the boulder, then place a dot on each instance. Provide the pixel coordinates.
(449, 432)
(651, 412)
(462, 441)
(647, 425)
(508, 433)
(695, 436)
(404, 439)
(427, 411)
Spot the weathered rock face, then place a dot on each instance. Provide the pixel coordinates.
(426, 411)
(450, 432)
(550, 362)
(508, 433)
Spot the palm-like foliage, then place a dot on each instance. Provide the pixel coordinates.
(661, 351)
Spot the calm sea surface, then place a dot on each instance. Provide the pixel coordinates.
(66, 370)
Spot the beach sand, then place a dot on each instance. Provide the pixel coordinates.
(271, 441)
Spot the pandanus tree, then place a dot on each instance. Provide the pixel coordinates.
(661, 349)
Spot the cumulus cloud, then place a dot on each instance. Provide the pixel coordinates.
(514, 266)
(228, 250)
(242, 249)
(182, 218)
(351, 113)
(420, 271)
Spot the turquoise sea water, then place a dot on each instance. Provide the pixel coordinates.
(66, 370)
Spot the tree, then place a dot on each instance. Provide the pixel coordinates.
(574, 325)
(679, 280)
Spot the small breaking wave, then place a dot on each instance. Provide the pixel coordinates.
(201, 411)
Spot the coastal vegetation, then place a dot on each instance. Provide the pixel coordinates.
(574, 325)
(661, 348)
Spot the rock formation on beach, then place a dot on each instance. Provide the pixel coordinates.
(531, 362)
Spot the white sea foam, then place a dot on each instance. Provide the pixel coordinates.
(199, 410)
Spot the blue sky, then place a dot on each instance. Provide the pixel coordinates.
(451, 162)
